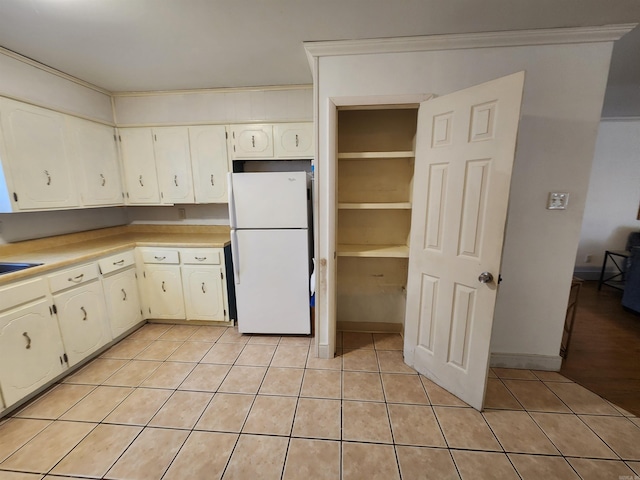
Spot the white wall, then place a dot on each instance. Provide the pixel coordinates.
(26, 81)
(563, 95)
(613, 198)
(226, 105)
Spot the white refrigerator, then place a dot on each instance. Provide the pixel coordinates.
(268, 213)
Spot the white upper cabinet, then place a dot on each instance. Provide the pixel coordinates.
(209, 163)
(294, 140)
(140, 177)
(95, 155)
(251, 141)
(173, 164)
(38, 157)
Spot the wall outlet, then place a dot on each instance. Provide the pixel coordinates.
(182, 213)
(557, 201)
(588, 258)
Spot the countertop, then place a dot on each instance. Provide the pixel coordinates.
(64, 250)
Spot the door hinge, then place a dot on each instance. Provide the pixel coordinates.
(50, 311)
(499, 279)
(55, 309)
(221, 276)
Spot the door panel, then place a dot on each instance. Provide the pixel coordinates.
(464, 156)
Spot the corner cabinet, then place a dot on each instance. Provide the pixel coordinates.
(95, 154)
(138, 159)
(30, 341)
(36, 152)
(120, 283)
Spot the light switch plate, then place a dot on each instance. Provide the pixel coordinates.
(557, 201)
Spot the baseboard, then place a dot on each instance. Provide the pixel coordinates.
(324, 352)
(370, 327)
(550, 363)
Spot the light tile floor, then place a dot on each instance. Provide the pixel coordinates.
(186, 402)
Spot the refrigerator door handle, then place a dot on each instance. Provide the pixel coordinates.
(234, 257)
(232, 203)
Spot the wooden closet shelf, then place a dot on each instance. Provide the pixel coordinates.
(375, 206)
(365, 155)
(378, 251)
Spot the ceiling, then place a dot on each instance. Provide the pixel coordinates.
(143, 45)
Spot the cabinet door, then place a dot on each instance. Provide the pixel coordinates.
(204, 293)
(210, 163)
(141, 179)
(173, 164)
(293, 140)
(38, 155)
(83, 320)
(251, 141)
(163, 288)
(96, 161)
(123, 301)
(31, 350)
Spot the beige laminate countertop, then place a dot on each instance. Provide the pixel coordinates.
(64, 250)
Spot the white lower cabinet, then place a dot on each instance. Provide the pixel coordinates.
(184, 284)
(32, 350)
(81, 311)
(120, 283)
(204, 293)
(163, 286)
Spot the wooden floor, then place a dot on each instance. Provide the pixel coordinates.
(604, 353)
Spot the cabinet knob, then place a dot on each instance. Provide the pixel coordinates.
(103, 180)
(46, 172)
(124, 295)
(297, 141)
(140, 181)
(253, 141)
(212, 183)
(84, 314)
(175, 180)
(26, 335)
(76, 279)
(203, 289)
(163, 289)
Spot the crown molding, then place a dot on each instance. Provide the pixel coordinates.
(457, 41)
(52, 71)
(199, 91)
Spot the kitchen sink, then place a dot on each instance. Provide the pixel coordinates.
(8, 267)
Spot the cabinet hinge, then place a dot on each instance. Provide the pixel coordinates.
(225, 313)
(55, 309)
(144, 274)
(226, 135)
(61, 361)
(221, 276)
(115, 139)
(155, 137)
(161, 195)
(135, 274)
(50, 311)
(66, 359)
(15, 196)
(119, 138)
(127, 194)
(149, 310)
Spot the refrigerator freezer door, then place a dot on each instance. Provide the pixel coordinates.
(272, 281)
(268, 200)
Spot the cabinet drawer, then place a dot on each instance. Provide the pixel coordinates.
(23, 292)
(160, 255)
(72, 277)
(207, 256)
(117, 262)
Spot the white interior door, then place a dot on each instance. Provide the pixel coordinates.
(464, 156)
